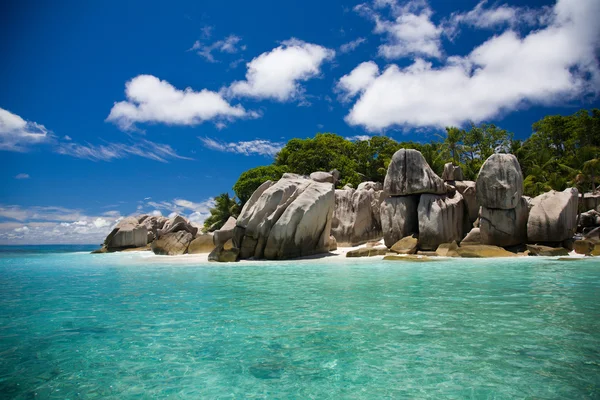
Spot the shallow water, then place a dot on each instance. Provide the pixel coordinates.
(75, 325)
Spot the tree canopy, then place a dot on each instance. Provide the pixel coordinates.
(562, 151)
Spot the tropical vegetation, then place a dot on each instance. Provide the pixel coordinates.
(562, 151)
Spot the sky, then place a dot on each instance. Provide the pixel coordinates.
(115, 108)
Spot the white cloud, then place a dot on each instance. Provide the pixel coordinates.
(358, 138)
(361, 77)
(23, 229)
(227, 45)
(16, 134)
(277, 74)
(101, 222)
(22, 176)
(549, 65)
(252, 147)
(110, 151)
(351, 46)
(496, 16)
(151, 100)
(156, 213)
(408, 30)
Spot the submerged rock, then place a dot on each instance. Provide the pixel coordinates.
(408, 173)
(500, 182)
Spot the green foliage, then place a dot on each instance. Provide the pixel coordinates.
(250, 180)
(562, 151)
(224, 208)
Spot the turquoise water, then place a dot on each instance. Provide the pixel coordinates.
(75, 325)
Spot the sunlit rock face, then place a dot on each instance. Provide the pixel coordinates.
(553, 216)
(290, 218)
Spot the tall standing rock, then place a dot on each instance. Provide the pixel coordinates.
(399, 218)
(356, 215)
(452, 172)
(504, 227)
(500, 182)
(440, 219)
(409, 173)
(553, 216)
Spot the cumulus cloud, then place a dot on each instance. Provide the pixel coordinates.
(248, 148)
(407, 28)
(496, 16)
(151, 100)
(277, 74)
(22, 176)
(228, 45)
(553, 64)
(110, 151)
(16, 134)
(352, 45)
(38, 225)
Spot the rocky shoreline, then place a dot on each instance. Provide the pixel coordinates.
(414, 211)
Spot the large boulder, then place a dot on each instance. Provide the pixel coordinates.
(304, 227)
(504, 227)
(500, 182)
(408, 173)
(324, 177)
(553, 216)
(452, 172)
(201, 244)
(591, 201)
(226, 232)
(356, 215)
(172, 243)
(176, 224)
(126, 234)
(406, 245)
(440, 220)
(224, 253)
(290, 218)
(483, 251)
(399, 218)
(368, 252)
(589, 219)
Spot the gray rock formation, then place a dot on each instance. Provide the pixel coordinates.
(172, 243)
(356, 215)
(500, 182)
(440, 220)
(324, 177)
(452, 172)
(504, 227)
(290, 218)
(474, 236)
(553, 216)
(467, 191)
(399, 218)
(409, 173)
(226, 232)
(201, 244)
(127, 234)
(176, 224)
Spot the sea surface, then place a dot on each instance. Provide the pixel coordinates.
(133, 325)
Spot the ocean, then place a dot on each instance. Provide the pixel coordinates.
(133, 325)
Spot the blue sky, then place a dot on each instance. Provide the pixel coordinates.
(108, 109)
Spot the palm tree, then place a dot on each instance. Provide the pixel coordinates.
(224, 208)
